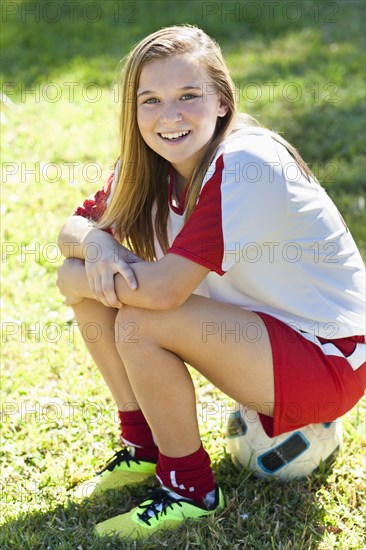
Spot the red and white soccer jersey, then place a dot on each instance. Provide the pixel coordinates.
(274, 240)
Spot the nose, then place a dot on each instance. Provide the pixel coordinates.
(170, 114)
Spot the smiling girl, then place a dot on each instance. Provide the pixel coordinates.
(223, 228)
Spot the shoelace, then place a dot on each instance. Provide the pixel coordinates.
(120, 456)
(160, 502)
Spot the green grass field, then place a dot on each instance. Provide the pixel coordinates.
(298, 68)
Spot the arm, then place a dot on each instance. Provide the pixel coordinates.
(163, 285)
(78, 233)
(71, 238)
(103, 255)
(73, 233)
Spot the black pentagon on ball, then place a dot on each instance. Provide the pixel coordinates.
(236, 426)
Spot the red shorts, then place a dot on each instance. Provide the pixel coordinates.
(316, 380)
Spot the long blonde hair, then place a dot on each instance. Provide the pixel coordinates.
(143, 174)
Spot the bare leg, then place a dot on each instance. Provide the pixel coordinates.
(104, 351)
(241, 367)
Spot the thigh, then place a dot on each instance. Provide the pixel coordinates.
(230, 346)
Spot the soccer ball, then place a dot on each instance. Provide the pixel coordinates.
(288, 456)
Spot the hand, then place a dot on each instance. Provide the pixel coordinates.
(104, 258)
(67, 279)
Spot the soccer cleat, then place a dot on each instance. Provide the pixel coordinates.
(162, 511)
(122, 469)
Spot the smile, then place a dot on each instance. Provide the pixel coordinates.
(174, 136)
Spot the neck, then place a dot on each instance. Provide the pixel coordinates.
(179, 183)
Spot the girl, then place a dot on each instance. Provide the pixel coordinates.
(236, 262)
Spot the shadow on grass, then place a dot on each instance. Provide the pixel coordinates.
(258, 514)
(84, 44)
(52, 37)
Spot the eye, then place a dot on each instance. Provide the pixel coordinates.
(151, 101)
(189, 96)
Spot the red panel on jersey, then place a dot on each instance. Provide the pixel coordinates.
(201, 239)
(94, 206)
(180, 208)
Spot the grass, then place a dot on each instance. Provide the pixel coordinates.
(59, 422)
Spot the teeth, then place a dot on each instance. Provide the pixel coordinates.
(175, 135)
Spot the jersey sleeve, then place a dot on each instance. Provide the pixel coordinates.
(94, 206)
(240, 206)
(201, 238)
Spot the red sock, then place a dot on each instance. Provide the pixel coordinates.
(190, 476)
(135, 432)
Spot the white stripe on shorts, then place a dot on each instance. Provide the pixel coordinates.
(356, 359)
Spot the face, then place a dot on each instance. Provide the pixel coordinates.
(177, 110)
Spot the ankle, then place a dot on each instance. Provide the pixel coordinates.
(190, 476)
(136, 433)
(148, 454)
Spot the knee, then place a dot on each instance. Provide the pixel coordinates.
(131, 328)
(64, 279)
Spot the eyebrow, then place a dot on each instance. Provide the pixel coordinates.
(145, 92)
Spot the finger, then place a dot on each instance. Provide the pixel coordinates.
(128, 274)
(102, 287)
(90, 275)
(95, 284)
(109, 290)
(98, 292)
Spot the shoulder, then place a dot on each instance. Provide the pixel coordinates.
(248, 140)
(248, 155)
(248, 145)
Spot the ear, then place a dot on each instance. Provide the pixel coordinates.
(222, 109)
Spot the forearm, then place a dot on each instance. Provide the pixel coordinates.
(80, 238)
(161, 285)
(148, 295)
(151, 292)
